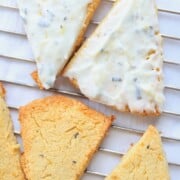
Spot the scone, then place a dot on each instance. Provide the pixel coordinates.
(145, 160)
(60, 136)
(10, 168)
(55, 29)
(120, 65)
(2, 91)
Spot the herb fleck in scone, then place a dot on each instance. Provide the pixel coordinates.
(120, 65)
(55, 29)
(145, 160)
(60, 136)
(10, 168)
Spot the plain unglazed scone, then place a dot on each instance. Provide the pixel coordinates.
(60, 136)
(120, 64)
(55, 30)
(145, 160)
(10, 168)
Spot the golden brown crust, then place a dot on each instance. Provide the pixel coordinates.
(10, 167)
(23, 164)
(90, 12)
(145, 157)
(60, 118)
(34, 75)
(2, 90)
(75, 84)
(156, 112)
(73, 59)
(126, 109)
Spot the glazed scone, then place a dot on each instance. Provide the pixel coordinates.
(145, 160)
(55, 29)
(60, 136)
(10, 168)
(120, 65)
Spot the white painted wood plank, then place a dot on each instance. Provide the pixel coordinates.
(122, 119)
(21, 70)
(118, 140)
(105, 162)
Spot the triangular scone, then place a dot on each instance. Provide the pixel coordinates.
(2, 91)
(10, 168)
(55, 28)
(120, 65)
(60, 136)
(145, 160)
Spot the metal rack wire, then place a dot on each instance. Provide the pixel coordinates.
(166, 36)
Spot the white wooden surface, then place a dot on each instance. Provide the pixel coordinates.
(17, 62)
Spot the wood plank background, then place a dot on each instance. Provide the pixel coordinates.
(17, 62)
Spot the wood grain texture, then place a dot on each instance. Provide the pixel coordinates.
(20, 64)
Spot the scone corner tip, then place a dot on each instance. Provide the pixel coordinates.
(2, 90)
(55, 29)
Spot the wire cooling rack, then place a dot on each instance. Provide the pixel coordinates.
(17, 62)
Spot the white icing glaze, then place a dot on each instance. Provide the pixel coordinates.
(52, 27)
(121, 63)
